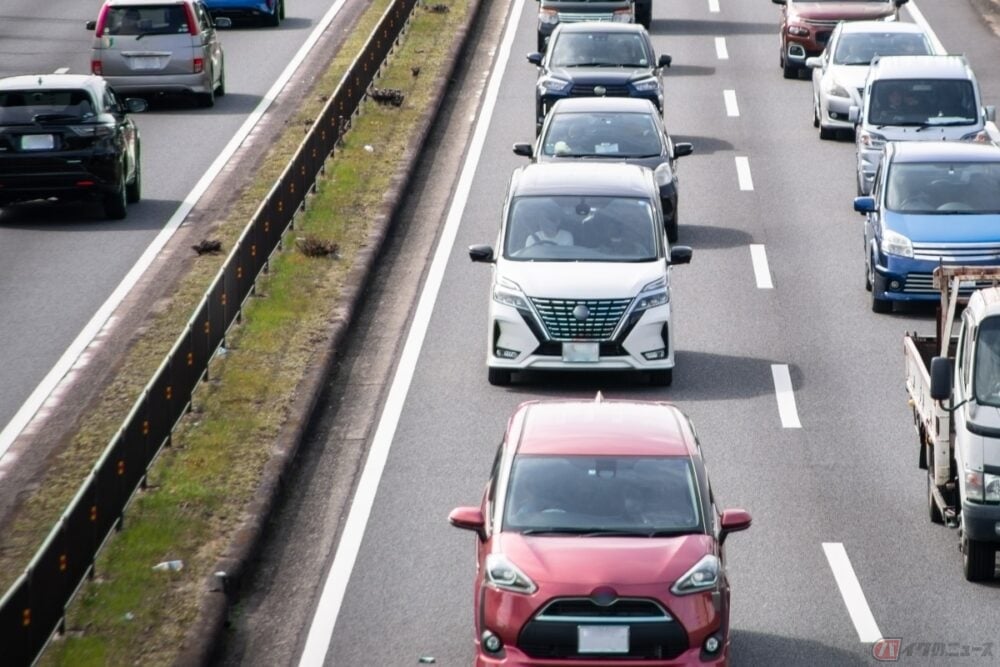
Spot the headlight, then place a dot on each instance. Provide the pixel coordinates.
(991, 488)
(548, 16)
(652, 295)
(837, 90)
(554, 85)
(508, 293)
(974, 486)
(702, 577)
(622, 16)
(981, 137)
(894, 243)
(798, 31)
(664, 175)
(503, 574)
(646, 85)
(871, 140)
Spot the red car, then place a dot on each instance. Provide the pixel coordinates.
(806, 25)
(599, 541)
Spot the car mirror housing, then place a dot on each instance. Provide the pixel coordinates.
(854, 113)
(535, 58)
(523, 149)
(136, 104)
(91, 25)
(733, 521)
(223, 22)
(814, 62)
(682, 149)
(469, 518)
(991, 113)
(681, 254)
(941, 378)
(481, 253)
(664, 61)
(864, 204)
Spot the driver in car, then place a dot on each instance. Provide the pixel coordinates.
(549, 232)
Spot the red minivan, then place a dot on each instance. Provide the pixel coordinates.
(599, 541)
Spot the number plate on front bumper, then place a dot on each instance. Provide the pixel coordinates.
(581, 353)
(602, 638)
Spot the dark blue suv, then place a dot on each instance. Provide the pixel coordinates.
(934, 202)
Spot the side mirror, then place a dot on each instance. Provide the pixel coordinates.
(900, 3)
(535, 58)
(864, 204)
(680, 254)
(223, 22)
(682, 149)
(469, 518)
(91, 25)
(779, 2)
(991, 113)
(523, 149)
(136, 104)
(664, 61)
(481, 253)
(941, 378)
(815, 62)
(733, 521)
(854, 114)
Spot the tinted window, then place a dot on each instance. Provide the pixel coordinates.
(26, 106)
(955, 187)
(597, 49)
(987, 360)
(147, 20)
(606, 134)
(923, 102)
(860, 48)
(586, 493)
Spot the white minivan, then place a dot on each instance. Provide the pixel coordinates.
(916, 98)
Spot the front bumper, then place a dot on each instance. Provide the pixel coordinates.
(513, 657)
(797, 49)
(913, 279)
(981, 522)
(834, 113)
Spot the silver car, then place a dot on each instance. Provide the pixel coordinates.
(839, 73)
(156, 46)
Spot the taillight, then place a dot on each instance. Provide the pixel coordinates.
(199, 65)
(96, 68)
(192, 23)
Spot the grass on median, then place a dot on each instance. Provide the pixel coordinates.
(201, 485)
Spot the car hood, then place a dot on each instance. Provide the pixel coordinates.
(605, 561)
(651, 162)
(582, 280)
(601, 75)
(945, 227)
(846, 11)
(849, 76)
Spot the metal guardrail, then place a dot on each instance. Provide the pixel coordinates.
(34, 607)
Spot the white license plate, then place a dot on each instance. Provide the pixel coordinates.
(145, 62)
(967, 284)
(581, 353)
(602, 638)
(37, 142)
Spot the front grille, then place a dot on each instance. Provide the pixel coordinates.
(958, 252)
(631, 608)
(922, 283)
(577, 17)
(560, 323)
(819, 23)
(610, 90)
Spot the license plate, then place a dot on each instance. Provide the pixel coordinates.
(37, 142)
(581, 353)
(967, 284)
(145, 62)
(602, 638)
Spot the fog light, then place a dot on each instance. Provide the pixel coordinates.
(895, 286)
(491, 642)
(504, 353)
(655, 354)
(711, 644)
(834, 115)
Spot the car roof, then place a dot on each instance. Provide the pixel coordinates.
(601, 427)
(956, 151)
(921, 67)
(582, 178)
(49, 81)
(600, 26)
(881, 26)
(604, 104)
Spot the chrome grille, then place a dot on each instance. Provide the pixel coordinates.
(560, 323)
(581, 90)
(922, 283)
(577, 17)
(958, 252)
(632, 610)
(819, 23)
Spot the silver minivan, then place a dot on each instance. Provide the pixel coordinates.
(916, 98)
(159, 46)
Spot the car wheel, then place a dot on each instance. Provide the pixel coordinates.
(662, 378)
(206, 100)
(498, 377)
(281, 10)
(273, 19)
(115, 202)
(879, 305)
(933, 511)
(868, 277)
(133, 191)
(220, 90)
(815, 115)
(541, 43)
(672, 228)
(826, 133)
(978, 560)
(790, 71)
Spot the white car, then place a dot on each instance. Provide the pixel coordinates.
(581, 274)
(839, 73)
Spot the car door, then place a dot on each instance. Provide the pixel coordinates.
(873, 227)
(211, 46)
(819, 73)
(127, 136)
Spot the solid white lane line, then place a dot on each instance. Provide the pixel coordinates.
(743, 173)
(327, 610)
(785, 395)
(713, 6)
(761, 270)
(918, 18)
(850, 590)
(721, 51)
(732, 108)
(93, 327)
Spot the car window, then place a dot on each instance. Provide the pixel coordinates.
(639, 494)
(860, 48)
(147, 20)
(204, 21)
(987, 362)
(573, 49)
(952, 187)
(616, 135)
(28, 106)
(581, 228)
(922, 102)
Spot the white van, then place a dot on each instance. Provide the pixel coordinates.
(916, 98)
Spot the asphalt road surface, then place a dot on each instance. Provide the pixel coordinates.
(828, 470)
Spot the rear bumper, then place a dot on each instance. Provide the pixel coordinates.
(164, 83)
(65, 176)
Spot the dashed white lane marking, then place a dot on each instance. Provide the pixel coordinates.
(850, 590)
(713, 6)
(721, 51)
(62, 70)
(335, 587)
(761, 270)
(743, 173)
(785, 395)
(732, 108)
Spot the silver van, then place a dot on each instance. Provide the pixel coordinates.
(157, 46)
(916, 98)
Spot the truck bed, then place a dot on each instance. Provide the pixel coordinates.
(932, 423)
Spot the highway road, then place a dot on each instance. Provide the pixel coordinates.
(841, 551)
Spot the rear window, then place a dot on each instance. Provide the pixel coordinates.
(28, 106)
(146, 20)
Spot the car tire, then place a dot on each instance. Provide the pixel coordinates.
(115, 202)
(281, 11)
(206, 100)
(826, 134)
(662, 378)
(815, 116)
(133, 190)
(498, 377)
(933, 512)
(868, 278)
(220, 90)
(672, 228)
(879, 305)
(274, 20)
(790, 71)
(978, 560)
(541, 43)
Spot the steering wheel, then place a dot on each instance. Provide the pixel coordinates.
(552, 510)
(544, 242)
(916, 202)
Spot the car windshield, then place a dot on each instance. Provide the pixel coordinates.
(18, 107)
(860, 48)
(631, 495)
(937, 187)
(987, 373)
(581, 228)
(147, 20)
(923, 102)
(599, 49)
(613, 135)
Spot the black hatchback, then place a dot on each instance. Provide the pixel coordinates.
(597, 60)
(68, 136)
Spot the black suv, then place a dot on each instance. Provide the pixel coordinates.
(68, 136)
(553, 12)
(597, 60)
